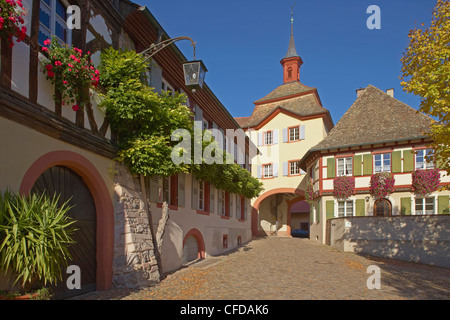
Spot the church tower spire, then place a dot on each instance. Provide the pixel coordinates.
(291, 62)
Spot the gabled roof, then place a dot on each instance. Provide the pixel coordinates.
(375, 117)
(285, 90)
(301, 106)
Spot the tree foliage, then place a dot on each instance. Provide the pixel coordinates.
(426, 73)
(145, 120)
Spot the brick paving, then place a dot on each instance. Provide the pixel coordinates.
(292, 269)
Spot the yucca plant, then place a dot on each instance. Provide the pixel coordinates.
(35, 233)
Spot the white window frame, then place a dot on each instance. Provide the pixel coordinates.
(294, 166)
(53, 18)
(346, 163)
(424, 165)
(268, 138)
(383, 167)
(423, 204)
(201, 195)
(346, 209)
(267, 170)
(294, 134)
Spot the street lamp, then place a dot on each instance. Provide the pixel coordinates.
(194, 71)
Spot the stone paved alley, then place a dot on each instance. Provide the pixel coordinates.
(292, 269)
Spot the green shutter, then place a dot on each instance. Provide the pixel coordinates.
(443, 205)
(396, 161)
(357, 164)
(330, 209)
(331, 168)
(405, 206)
(360, 208)
(368, 164)
(408, 161)
(318, 212)
(440, 164)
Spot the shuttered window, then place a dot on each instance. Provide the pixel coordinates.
(268, 171)
(345, 209)
(53, 22)
(425, 206)
(345, 166)
(382, 162)
(421, 159)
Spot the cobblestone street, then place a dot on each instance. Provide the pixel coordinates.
(292, 269)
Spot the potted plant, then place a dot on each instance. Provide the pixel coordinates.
(343, 187)
(381, 185)
(71, 71)
(425, 182)
(11, 21)
(35, 233)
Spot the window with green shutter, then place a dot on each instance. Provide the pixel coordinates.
(360, 208)
(405, 205)
(408, 161)
(330, 209)
(368, 166)
(331, 168)
(443, 205)
(396, 161)
(357, 165)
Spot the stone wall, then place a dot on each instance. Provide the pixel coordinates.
(134, 260)
(424, 239)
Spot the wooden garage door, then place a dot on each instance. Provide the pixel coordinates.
(190, 250)
(70, 185)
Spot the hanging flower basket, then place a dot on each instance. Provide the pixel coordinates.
(425, 182)
(310, 195)
(11, 21)
(344, 187)
(71, 71)
(382, 185)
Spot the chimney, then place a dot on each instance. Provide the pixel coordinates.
(359, 92)
(390, 92)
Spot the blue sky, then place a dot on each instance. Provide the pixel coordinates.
(242, 44)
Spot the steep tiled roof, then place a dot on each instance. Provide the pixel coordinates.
(376, 117)
(302, 106)
(285, 90)
(242, 121)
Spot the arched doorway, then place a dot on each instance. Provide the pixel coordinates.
(102, 199)
(382, 208)
(67, 184)
(193, 247)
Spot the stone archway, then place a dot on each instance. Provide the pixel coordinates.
(289, 194)
(102, 200)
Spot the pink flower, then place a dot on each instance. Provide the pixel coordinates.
(76, 107)
(58, 63)
(49, 67)
(51, 74)
(47, 42)
(44, 49)
(70, 65)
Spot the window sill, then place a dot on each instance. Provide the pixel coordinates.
(225, 217)
(202, 212)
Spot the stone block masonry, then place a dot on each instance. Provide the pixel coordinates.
(134, 265)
